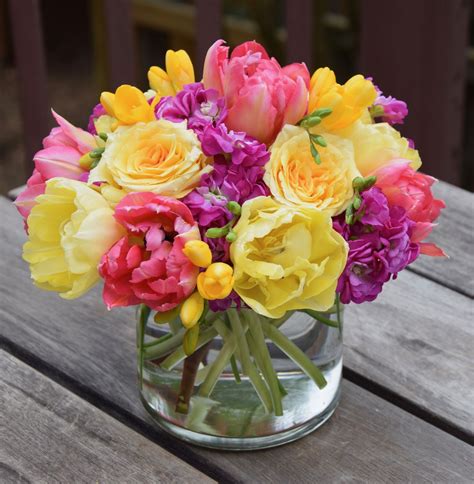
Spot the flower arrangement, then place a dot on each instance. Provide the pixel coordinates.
(223, 206)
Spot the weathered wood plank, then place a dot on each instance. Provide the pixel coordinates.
(95, 349)
(51, 435)
(455, 234)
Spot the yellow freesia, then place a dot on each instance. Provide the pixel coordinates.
(348, 102)
(216, 281)
(198, 252)
(69, 230)
(376, 145)
(179, 71)
(295, 179)
(191, 310)
(286, 258)
(128, 105)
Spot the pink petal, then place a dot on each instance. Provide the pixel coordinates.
(214, 66)
(84, 141)
(297, 105)
(432, 250)
(249, 47)
(297, 70)
(26, 199)
(254, 113)
(58, 161)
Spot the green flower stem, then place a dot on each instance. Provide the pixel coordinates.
(143, 314)
(293, 352)
(261, 354)
(319, 317)
(248, 367)
(175, 325)
(158, 340)
(216, 368)
(201, 374)
(162, 348)
(179, 355)
(235, 369)
(338, 312)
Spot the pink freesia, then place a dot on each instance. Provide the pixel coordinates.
(59, 157)
(148, 265)
(411, 190)
(261, 96)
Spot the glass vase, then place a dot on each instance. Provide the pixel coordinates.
(251, 382)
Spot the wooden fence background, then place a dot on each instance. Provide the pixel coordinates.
(415, 49)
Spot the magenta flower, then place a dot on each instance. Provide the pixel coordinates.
(387, 109)
(200, 107)
(97, 112)
(380, 247)
(237, 176)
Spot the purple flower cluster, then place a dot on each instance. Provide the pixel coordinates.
(98, 111)
(200, 107)
(379, 247)
(393, 111)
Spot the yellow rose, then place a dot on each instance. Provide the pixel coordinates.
(377, 144)
(348, 102)
(286, 258)
(69, 229)
(294, 178)
(160, 157)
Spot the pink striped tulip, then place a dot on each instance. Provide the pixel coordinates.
(60, 155)
(261, 96)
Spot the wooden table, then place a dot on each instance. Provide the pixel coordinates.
(70, 411)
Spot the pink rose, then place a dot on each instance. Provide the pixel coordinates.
(148, 265)
(411, 190)
(59, 157)
(261, 96)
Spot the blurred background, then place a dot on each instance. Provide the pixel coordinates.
(63, 54)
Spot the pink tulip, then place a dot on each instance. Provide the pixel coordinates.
(59, 157)
(148, 265)
(261, 96)
(411, 190)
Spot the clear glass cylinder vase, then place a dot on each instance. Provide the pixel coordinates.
(239, 390)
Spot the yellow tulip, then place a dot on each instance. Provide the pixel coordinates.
(286, 258)
(348, 102)
(216, 282)
(69, 230)
(198, 252)
(191, 310)
(179, 71)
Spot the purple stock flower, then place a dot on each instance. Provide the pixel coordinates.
(96, 113)
(200, 107)
(233, 299)
(388, 109)
(379, 247)
(239, 162)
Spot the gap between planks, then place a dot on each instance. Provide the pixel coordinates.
(132, 421)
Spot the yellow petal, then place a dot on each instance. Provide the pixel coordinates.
(160, 82)
(179, 68)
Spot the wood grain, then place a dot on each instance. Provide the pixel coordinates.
(455, 234)
(368, 440)
(51, 435)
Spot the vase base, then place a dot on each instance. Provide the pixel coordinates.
(243, 443)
